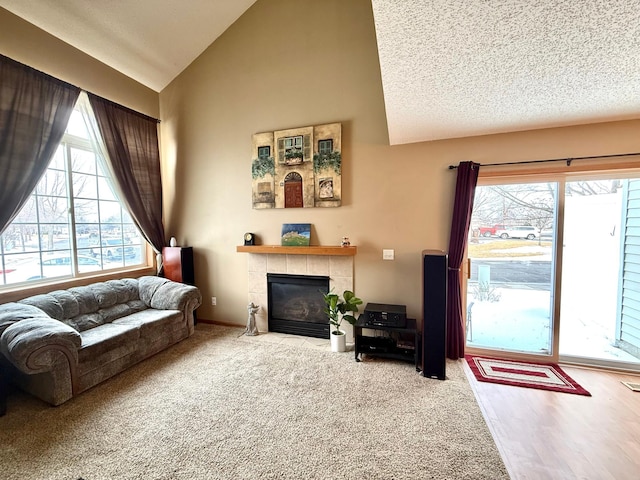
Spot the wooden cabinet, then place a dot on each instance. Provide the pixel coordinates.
(178, 264)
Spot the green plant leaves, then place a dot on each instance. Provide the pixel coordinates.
(337, 308)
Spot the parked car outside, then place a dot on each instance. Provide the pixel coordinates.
(519, 231)
(488, 231)
(60, 266)
(112, 248)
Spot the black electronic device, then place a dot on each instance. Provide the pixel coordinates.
(434, 313)
(384, 315)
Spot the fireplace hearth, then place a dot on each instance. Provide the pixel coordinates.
(296, 304)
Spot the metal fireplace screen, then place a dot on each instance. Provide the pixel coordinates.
(296, 305)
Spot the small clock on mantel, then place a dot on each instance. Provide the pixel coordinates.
(249, 239)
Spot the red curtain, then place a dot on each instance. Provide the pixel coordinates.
(462, 209)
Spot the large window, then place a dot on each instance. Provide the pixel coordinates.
(73, 224)
(555, 268)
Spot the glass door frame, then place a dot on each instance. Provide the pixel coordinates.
(584, 170)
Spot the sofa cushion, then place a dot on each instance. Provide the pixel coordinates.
(103, 338)
(105, 294)
(60, 304)
(101, 303)
(163, 294)
(151, 319)
(85, 321)
(115, 311)
(87, 301)
(126, 289)
(137, 305)
(103, 297)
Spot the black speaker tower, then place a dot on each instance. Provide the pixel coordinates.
(434, 313)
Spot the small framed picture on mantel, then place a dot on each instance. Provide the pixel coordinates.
(296, 234)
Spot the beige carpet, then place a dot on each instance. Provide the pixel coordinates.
(224, 406)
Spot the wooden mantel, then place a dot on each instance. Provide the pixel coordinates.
(311, 250)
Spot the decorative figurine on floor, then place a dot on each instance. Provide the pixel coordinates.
(252, 330)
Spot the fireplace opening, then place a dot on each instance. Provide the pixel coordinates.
(296, 304)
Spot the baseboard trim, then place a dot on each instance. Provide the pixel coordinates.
(215, 322)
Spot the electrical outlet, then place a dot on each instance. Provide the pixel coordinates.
(213, 301)
(388, 254)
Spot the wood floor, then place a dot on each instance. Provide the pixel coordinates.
(549, 435)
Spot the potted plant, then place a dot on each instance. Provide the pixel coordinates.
(339, 309)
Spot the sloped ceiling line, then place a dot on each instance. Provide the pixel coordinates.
(449, 69)
(456, 69)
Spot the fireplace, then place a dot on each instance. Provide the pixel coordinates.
(296, 305)
(336, 263)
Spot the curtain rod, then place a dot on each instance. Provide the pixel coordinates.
(80, 88)
(122, 107)
(568, 160)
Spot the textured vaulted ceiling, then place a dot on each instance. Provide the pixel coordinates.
(450, 68)
(458, 68)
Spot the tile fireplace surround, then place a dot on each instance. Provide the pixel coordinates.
(339, 269)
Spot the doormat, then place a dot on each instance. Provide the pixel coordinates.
(543, 376)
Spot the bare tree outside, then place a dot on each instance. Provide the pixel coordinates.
(49, 206)
(511, 205)
(593, 187)
(530, 204)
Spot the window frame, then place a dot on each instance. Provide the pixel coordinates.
(69, 142)
(560, 173)
(325, 146)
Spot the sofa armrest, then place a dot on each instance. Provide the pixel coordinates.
(13, 312)
(34, 345)
(164, 294)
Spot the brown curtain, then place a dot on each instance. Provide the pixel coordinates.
(462, 209)
(34, 112)
(131, 140)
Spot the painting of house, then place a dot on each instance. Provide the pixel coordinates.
(297, 168)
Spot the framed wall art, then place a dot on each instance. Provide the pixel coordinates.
(296, 234)
(297, 168)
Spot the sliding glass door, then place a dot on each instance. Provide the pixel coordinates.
(510, 290)
(600, 303)
(555, 270)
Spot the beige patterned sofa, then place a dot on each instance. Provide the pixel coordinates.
(62, 343)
